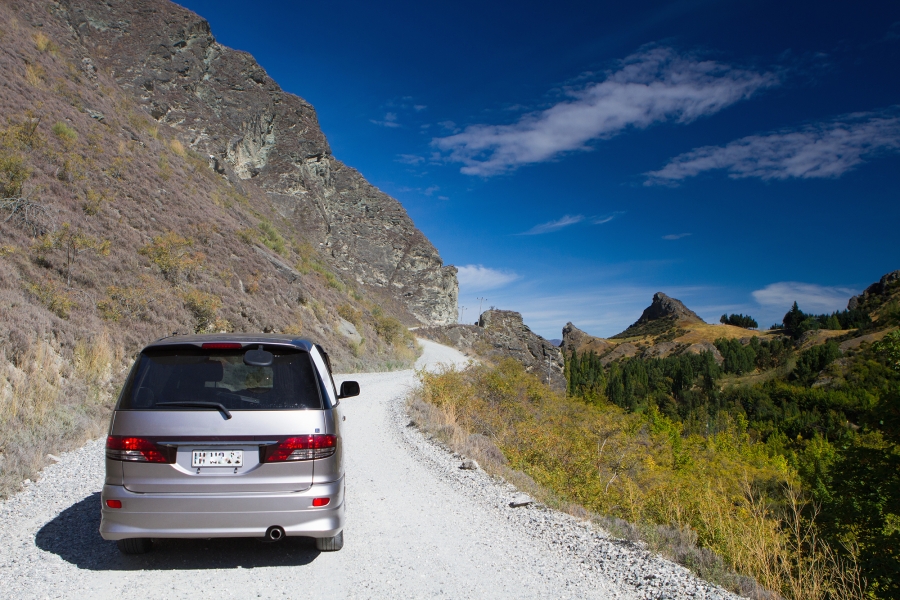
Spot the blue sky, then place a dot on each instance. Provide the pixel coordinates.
(574, 158)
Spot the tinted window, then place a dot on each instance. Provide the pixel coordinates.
(189, 374)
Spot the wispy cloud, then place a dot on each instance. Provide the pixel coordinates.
(429, 191)
(654, 85)
(820, 150)
(390, 120)
(675, 236)
(600, 220)
(410, 159)
(811, 298)
(551, 226)
(419, 107)
(475, 278)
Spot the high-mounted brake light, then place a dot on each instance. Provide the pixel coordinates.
(306, 447)
(221, 346)
(137, 449)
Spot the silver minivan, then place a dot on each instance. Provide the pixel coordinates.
(226, 435)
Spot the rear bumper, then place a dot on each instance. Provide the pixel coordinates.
(221, 515)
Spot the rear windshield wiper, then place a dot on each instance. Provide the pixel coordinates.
(219, 407)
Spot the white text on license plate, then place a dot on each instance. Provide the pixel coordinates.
(217, 458)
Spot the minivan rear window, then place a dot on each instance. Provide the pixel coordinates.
(191, 374)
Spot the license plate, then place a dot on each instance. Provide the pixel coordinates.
(217, 458)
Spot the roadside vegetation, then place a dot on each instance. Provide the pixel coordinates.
(778, 469)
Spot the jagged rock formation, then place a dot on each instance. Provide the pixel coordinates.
(663, 314)
(875, 295)
(500, 334)
(575, 340)
(225, 106)
(664, 307)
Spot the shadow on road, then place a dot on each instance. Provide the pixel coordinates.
(74, 536)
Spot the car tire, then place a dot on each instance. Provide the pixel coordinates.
(134, 545)
(330, 544)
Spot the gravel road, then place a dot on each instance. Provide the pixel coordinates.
(418, 527)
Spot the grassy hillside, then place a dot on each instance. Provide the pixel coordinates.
(113, 233)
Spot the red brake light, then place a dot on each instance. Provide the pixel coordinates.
(321, 501)
(307, 447)
(221, 346)
(138, 449)
(118, 503)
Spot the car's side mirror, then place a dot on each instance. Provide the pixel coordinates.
(348, 390)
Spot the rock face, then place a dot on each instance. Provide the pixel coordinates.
(574, 339)
(701, 347)
(228, 109)
(883, 287)
(500, 334)
(664, 307)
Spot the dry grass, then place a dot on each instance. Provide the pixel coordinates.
(49, 404)
(717, 504)
(704, 332)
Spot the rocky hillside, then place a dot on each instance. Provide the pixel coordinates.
(153, 181)
(502, 334)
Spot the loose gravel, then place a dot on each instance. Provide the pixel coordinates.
(418, 527)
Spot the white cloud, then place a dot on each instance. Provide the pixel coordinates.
(475, 278)
(419, 107)
(390, 120)
(429, 191)
(675, 236)
(443, 198)
(651, 86)
(810, 297)
(821, 150)
(551, 226)
(410, 159)
(606, 218)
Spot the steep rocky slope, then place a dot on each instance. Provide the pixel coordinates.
(221, 103)
(121, 221)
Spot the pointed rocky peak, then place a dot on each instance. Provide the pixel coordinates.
(664, 307)
(664, 314)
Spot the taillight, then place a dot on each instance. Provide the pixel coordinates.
(137, 449)
(321, 501)
(221, 346)
(114, 503)
(307, 447)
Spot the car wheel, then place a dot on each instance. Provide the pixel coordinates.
(330, 544)
(134, 545)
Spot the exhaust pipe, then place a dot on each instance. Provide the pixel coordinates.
(274, 533)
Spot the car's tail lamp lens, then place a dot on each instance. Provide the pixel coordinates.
(118, 503)
(306, 447)
(137, 449)
(321, 501)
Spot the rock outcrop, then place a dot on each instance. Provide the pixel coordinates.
(501, 334)
(574, 339)
(664, 307)
(227, 109)
(664, 315)
(873, 295)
